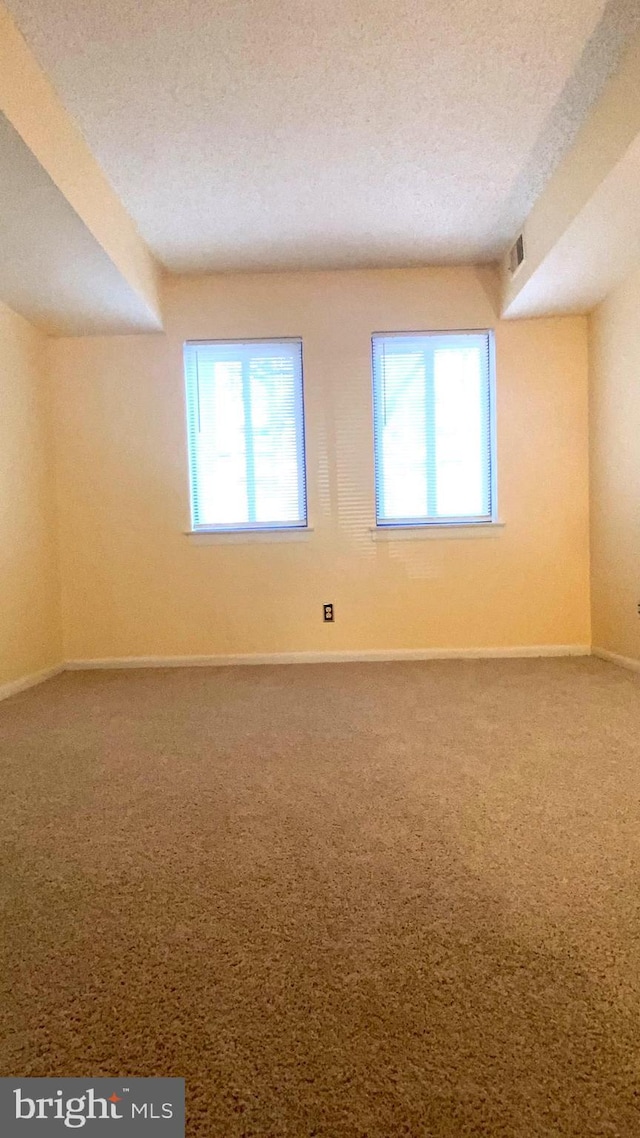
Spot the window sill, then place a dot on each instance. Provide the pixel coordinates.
(435, 530)
(240, 536)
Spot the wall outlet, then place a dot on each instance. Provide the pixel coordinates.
(638, 608)
(328, 612)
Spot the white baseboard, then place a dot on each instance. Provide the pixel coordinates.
(369, 656)
(614, 658)
(16, 686)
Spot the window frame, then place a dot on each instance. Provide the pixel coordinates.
(191, 414)
(480, 521)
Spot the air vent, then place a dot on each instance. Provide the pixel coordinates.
(516, 255)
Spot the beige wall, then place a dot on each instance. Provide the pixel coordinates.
(32, 106)
(135, 585)
(30, 636)
(615, 469)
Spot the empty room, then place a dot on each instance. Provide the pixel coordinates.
(320, 568)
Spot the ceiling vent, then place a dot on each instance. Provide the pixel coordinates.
(516, 255)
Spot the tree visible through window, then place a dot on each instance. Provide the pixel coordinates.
(246, 434)
(433, 417)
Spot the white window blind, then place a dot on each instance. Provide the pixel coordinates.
(246, 434)
(433, 422)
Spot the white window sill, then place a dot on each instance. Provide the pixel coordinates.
(435, 530)
(239, 536)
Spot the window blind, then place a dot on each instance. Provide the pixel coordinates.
(246, 434)
(433, 427)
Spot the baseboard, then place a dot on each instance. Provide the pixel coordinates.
(25, 682)
(369, 656)
(614, 658)
(14, 687)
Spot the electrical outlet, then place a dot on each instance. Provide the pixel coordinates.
(638, 608)
(328, 612)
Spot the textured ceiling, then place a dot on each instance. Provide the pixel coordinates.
(260, 135)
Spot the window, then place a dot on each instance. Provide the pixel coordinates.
(246, 434)
(433, 424)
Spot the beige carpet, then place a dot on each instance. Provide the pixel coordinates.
(343, 901)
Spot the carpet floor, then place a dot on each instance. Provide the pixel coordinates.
(341, 901)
